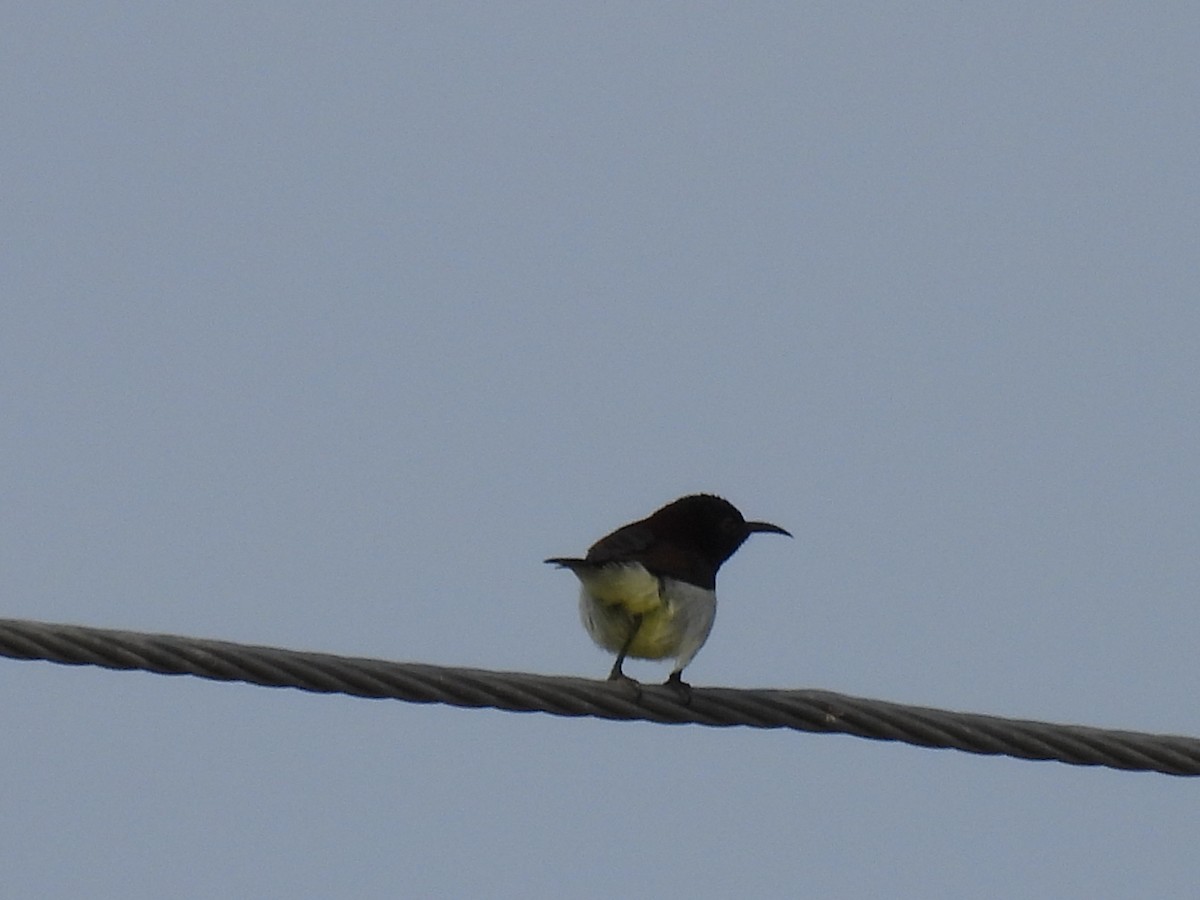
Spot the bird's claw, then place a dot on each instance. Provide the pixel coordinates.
(684, 690)
(630, 684)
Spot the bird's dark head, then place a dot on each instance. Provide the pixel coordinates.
(712, 524)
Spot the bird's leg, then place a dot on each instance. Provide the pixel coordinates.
(682, 688)
(616, 674)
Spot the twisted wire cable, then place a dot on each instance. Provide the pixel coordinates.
(800, 710)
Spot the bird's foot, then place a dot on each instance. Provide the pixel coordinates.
(633, 686)
(684, 690)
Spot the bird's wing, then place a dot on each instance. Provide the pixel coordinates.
(623, 544)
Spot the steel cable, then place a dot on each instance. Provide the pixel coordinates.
(800, 710)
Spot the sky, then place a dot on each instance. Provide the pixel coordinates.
(322, 325)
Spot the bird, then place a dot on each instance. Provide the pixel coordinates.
(648, 589)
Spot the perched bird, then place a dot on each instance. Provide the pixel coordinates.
(649, 588)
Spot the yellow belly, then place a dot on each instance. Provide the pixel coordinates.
(615, 596)
(630, 588)
(657, 638)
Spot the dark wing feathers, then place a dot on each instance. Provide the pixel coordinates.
(624, 543)
(636, 543)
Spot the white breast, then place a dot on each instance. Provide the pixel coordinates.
(676, 617)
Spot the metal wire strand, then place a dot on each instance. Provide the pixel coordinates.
(801, 710)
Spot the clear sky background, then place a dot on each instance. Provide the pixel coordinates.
(323, 324)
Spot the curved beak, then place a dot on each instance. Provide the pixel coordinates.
(767, 527)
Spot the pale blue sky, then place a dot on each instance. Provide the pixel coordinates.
(323, 324)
